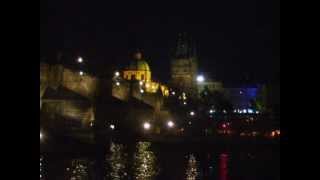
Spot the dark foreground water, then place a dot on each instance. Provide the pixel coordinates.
(147, 161)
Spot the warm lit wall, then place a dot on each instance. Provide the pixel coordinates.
(138, 75)
(55, 76)
(84, 85)
(81, 112)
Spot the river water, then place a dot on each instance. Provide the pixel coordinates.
(147, 161)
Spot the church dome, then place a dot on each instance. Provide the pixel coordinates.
(138, 69)
(139, 65)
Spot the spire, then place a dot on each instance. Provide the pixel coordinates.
(185, 46)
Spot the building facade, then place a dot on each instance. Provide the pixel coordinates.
(184, 66)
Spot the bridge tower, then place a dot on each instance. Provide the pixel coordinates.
(184, 65)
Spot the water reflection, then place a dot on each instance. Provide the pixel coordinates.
(145, 167)
(223, 166)
(117, 162)
(192, 168)
(41, 168)
(142, 161)
(79, 170)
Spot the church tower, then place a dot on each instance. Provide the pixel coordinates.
(184, 66)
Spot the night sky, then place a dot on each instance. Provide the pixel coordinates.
(236, 39)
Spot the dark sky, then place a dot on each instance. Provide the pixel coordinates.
(235, 38)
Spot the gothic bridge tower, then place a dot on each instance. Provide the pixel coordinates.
(184, 66)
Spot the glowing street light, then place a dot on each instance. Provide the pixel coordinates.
(147, 126)
(192, 113)
(80, 60)
(200, 79)
(170, 124)
(141, 91)
(224, 126)
(41, 135)
(112, 126)
(118, 83)
(117, 74)
(81, 73)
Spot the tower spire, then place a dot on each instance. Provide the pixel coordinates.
(185, 46)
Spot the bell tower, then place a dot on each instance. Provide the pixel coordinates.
(184, 65)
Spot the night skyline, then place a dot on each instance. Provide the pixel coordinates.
(234, 39)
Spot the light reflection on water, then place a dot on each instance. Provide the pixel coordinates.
(146, 162)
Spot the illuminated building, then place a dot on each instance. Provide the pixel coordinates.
(184, 66)
(139, 70)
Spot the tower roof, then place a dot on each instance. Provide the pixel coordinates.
(138, 63)
(185, 47)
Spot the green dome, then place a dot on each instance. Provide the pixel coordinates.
(139, 65)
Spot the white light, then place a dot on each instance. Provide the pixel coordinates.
(257, 112)
(142, 91)
(211, 111)
(224, 111)
(245, 111)
(117, 74)
(141, 83)
(250, 111)
(146, 126)
(170, 124)
(200, 78)
(118, 83)
(80, 60)
(41, 136)
(81, 73)
(192, 113)
(173, 93)
(184, 103)
(112, 126)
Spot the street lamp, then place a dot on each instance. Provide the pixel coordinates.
(80, 60)
(41, 136)
(81, 73)
(112, 126)
(117, 74)
(147, 126)
(170, 124)
(192, 113)
(200, 79)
